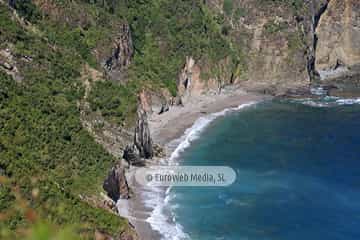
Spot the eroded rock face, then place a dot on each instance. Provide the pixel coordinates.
(116, 184)
(132, 156)
(275, 41)
(142, 138)
(8, 64)
(189, 81)
(121, 55)
(338, 33)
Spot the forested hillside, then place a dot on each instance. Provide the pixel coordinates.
(48, 162)
(65, 64)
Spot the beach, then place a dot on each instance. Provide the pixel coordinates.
(168, 129)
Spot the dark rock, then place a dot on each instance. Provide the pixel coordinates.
(297, 93)
(122, 54)
(12, 3)
(142, 138)
(164, 108)
(132, 156)
(329, 87)
(116, 184)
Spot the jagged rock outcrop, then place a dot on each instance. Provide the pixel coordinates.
(116, 184)
(142, 137)
(338, 44)
(132, 155)
(121, 54)
(142, 146)
(316, 9)
(274, 50)
(158, 101)
(295, 44)
(189, 82)
(8, 64)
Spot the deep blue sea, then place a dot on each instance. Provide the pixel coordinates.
(298, 175)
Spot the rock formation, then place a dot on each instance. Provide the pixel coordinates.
(142, 146)
(116, 184)
(338, 44)
(132, 155)
(121, 54)
(142, 138)
(189, 81)
(293, 44)
(156, 101)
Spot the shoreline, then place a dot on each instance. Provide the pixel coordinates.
(169, 130)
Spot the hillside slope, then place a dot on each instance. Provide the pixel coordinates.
(77, 78)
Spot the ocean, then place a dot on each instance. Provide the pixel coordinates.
(298, 174)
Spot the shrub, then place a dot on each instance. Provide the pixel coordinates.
(228, 7)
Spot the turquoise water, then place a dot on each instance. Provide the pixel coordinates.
(298, 175)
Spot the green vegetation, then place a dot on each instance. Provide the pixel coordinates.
(295, 5)
(114, 101)
(239, 12)
(27, 9)
(46, 155)
(275, 27)
(43, 147)
(228, 7)
(164, 33)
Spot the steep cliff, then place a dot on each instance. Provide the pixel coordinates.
(53, 169)
(338, 45)
(277, 39)
(80, 77)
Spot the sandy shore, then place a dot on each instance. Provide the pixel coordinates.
(172, 124)
(169, 126)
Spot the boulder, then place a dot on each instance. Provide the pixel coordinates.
(116, 185)
(132, 155)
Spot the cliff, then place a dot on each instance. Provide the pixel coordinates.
(338, 46)
(79, 79)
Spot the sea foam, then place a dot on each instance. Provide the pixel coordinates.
(327, 101)
(162, 218)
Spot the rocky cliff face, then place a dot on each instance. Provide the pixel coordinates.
(276, 44)
(142, 137)
(116, 184)
(142, 146)
(338, 40)
(289, 46)
(121, 54)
